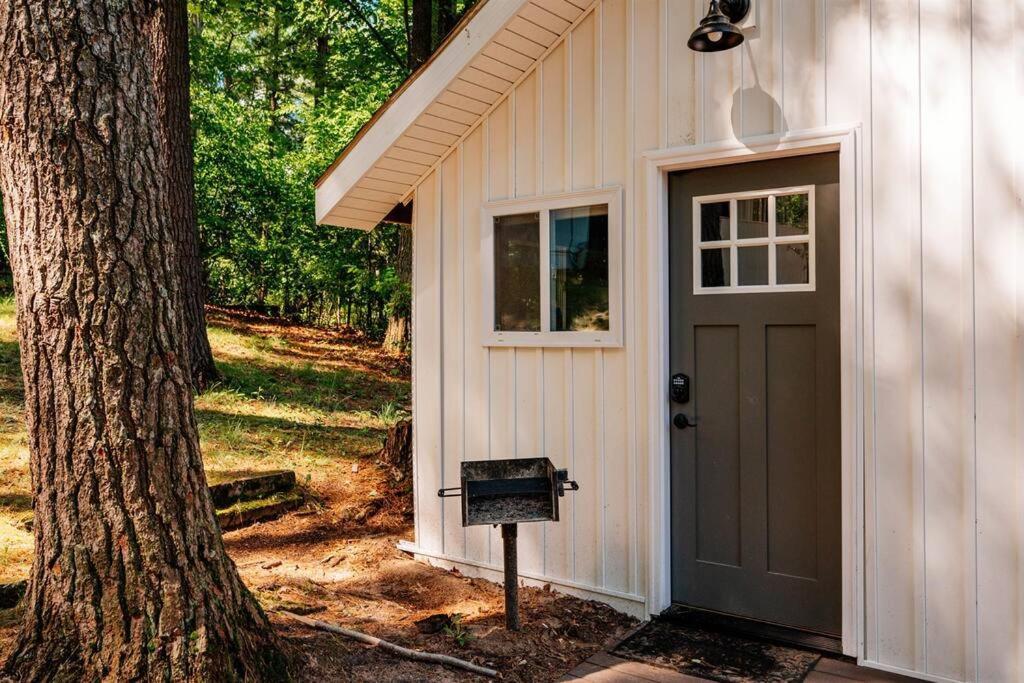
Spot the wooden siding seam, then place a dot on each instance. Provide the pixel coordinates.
(571, 365)
(599, 368)
(923, 664)
(439, 246)
(416, 451)
(462, 302)
(663, 76)
(570, 78)
(599, 43)
(567, 113)
(630, 316)
(487, 351)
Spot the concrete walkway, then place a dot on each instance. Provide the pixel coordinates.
(606, 668)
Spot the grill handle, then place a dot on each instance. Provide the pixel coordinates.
(569, 484)
(562, 478)
(447, 493)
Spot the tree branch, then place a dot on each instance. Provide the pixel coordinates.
(381, 40)
(391, 647)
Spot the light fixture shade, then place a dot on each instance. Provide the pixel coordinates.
(717, 31)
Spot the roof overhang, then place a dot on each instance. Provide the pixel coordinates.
(487, 54)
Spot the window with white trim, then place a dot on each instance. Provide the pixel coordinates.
(553, 270)
(759, 241)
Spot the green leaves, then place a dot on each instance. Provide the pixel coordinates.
(278, 89)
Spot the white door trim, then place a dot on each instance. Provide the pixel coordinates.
(657, 165)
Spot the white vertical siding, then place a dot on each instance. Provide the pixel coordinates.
(936, 86)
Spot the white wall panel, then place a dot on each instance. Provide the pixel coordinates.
(427, 399)
(897, 475)
(452, 352)
(936, 88)
(947, 439)
(476, 388)
(997, 229)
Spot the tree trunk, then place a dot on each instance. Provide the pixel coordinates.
(130, 579)
(422, 32)
(447, 17)
(170, 49)
(397, 451)
(397, 337)
(323, 48)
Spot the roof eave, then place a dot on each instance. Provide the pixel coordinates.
(410, 101)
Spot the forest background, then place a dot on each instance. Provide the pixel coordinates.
(278, 88)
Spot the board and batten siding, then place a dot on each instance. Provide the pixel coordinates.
(937, 87)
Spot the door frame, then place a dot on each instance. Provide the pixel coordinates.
(653, 199)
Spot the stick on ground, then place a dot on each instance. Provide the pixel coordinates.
(391, 647)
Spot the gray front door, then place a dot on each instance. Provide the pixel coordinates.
(754, 302)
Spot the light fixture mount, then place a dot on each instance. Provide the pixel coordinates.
(736, 10)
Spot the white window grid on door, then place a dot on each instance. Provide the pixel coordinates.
(735, 242)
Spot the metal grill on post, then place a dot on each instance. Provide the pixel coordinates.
(508, 492)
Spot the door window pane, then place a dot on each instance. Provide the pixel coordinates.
(579, 268)
(792, 264)
(752, 218)
(791, 215)
(714, 221)
(715, 268)
(517, 272)
(752, 263)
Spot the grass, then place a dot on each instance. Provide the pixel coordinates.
(291, 398)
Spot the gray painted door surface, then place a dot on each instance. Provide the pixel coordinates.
(756, 482)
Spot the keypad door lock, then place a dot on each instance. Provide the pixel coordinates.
(680, 389)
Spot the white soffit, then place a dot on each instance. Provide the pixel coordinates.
(438, 105)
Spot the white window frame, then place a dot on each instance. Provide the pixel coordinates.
(734, 241)
(544, 205)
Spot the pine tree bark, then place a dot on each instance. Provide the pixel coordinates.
(130, 579)
(171, 59)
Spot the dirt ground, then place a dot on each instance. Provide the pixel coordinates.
(351, 573)
(336, 560)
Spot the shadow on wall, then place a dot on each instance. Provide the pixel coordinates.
(754, 111)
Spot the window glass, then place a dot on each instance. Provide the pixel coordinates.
(792, 264)
(752, 218)
(770, 244)
(517, 272)
(714, 221)
(791, 215)
(579, 268)
(752, 263)
(715, 268)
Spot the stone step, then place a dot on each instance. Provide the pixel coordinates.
(229, 493)
(244, 513)
(262, 485)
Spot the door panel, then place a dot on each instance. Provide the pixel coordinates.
(718, 471)
(756, 480)
(792, 467)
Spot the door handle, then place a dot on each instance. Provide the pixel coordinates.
(682, 422)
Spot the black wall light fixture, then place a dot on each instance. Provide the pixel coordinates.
(718, 30)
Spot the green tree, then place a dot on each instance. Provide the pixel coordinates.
(278, 89)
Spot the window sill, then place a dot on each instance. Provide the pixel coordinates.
(557, 340)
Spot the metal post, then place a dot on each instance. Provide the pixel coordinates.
(509, 532)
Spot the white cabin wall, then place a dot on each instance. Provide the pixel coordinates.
(936, 88)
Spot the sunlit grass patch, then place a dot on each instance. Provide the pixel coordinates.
(286, 402)
(15, 551)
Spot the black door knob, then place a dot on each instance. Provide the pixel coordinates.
(682, 422)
